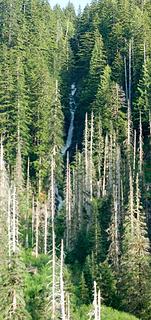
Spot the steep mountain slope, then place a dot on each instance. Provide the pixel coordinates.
(75, 159)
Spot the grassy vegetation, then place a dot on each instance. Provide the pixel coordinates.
(107, 314)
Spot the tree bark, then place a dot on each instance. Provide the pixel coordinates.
(105, 166)
(46, 229)
(63, 316)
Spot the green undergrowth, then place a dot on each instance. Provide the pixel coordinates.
(106, 314)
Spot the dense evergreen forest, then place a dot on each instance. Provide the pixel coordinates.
(75, 160)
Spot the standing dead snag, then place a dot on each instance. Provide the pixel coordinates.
(140, 144)
(46, 228)
(96, 312)
(53, 236)
(68, 307)
(86, 151)
(63, 315)
(131, 201)
(99, 146)
(68, 203)
(19, 171)
(14, 222)
(33, 220)
(126, 84)
(28, 205)
(12, 268)
(130, 74)
(99, 305)
(134, 154)
(105, 166)
(116, 228)
(95, 302)
(37, 228)
(5, 222)
(128, 129)
(91, 157)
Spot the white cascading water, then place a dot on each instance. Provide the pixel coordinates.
(58, 198)
(68, 143)
(72, 112)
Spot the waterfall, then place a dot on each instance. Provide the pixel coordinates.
(68, 143)
(58, 198)
(72, 105)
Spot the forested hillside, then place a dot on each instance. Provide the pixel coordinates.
(75, 161)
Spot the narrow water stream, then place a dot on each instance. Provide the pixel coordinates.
(68, 143)
(72, 105)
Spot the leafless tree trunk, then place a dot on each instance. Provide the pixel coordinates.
(33, 220)
(111, 161)
(105, 166)
(27, 201)
(37, 228)
(100, 153)
(53, 236)
(39, 182)
(134, 153)
(53, 274)
(5, 212)
(63, 316)
(19, 173)
(131, 201)
(138, 205)
(130, 74)
(80, 187)
(46, 229)
(68, 203)
(99, 305)
(118, 180)
(14, 222)
(9, 223)
(122, 197)
(116, 217)
(116, 227)
(14, 301)
(68, 306)
(140, 145)
(129, 102)
(129, 129)
(86, 152)
(126, 85)
(95, 302)
(91, 158)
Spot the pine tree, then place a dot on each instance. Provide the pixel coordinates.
(135, 263)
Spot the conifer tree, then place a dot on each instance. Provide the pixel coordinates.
(11, 277)
(135, 261)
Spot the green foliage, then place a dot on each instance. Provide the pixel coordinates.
(35, 279)
(107, 313)
(12, 290)
(105, 51)
(113, 314)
